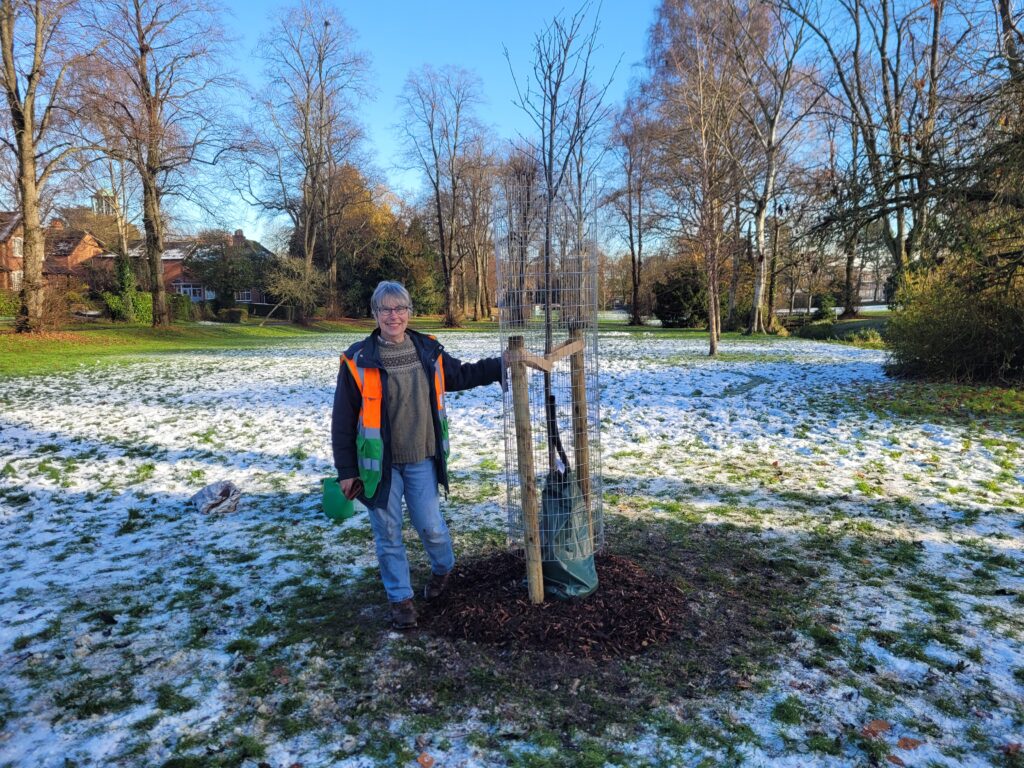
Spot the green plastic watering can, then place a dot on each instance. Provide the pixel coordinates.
(336, 506)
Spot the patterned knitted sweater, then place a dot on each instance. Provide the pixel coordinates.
(412, 429)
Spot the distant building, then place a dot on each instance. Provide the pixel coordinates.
(178, 279)
(67, 251)
(12, 245)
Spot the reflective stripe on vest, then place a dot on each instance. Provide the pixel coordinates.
(441, 412)
(369, 445)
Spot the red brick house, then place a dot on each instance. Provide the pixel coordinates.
(177, 278)
(11, 250)
(73, 254)
(67, 251)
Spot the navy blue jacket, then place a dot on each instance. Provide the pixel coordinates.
(348, 401)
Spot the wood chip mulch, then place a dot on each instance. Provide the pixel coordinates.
(486, 602)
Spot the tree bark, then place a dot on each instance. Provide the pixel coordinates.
(153, 226)
(849, 293)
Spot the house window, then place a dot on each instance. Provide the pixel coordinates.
(18, 247)
(193, 290)
(16, 277)
(244, 296)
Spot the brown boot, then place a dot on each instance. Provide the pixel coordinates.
(403, 615)
(436, 586)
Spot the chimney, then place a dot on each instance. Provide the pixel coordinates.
(56, 225)
(238, 240)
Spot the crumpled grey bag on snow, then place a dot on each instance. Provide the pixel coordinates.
(221, 496)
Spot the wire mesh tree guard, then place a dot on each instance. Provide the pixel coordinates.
(548, 323)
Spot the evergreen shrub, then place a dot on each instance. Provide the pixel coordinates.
(826, 308)
(680, 300)
(142, 302)
(181, 307)
(947, 326)
(233, 315)
(9, 303)
(818, 329)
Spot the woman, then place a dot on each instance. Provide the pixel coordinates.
(390, 436)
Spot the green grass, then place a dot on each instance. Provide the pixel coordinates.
(107, 343)
(98, 344)
(932, 401)
(789, 711)
(168, 698)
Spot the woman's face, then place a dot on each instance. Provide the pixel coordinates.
(392, 318)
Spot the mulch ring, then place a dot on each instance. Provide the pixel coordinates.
(486, 602)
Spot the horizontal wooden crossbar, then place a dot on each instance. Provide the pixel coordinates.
(547, 362)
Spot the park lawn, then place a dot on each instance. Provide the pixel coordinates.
(856, 572)
(94, 344)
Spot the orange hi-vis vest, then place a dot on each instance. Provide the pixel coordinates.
(369, 441)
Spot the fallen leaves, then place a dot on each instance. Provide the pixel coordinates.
(875, 728)
(425, 760)
(908, 743)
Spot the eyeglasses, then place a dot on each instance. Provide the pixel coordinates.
(399, 310)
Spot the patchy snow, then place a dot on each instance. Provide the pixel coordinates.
(105, 562)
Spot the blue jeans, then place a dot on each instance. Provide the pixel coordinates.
(418, 483)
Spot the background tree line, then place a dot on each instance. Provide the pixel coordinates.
(771, 147)
(765, 151)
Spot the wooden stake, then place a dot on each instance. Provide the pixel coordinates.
(579, 423)
(527, 476)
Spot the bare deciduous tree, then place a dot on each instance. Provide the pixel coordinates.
(439, 129)
(157, 77)
(698, 95)
(777, 99)
(477, 215)
(565, 106)
(35, 54)
(302, 135)
(889, 64)
(634, 147)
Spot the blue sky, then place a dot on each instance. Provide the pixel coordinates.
(400, 36)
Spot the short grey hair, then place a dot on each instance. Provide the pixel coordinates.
(389, 288)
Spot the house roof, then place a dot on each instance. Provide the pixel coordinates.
(180, 249)
(9, 221)
(61, 243)
(174, 250)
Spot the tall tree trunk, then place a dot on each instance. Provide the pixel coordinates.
(849, 294)
(714, 312)
(22, 109)
(451, 319)
(634, 272)
(463, 288)
(30, 314)
(480, 265)
(772, 324)
(153, 226)
(734, 281)
(488, 306)
(757, 324)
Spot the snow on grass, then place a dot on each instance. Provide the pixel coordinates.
(137, 632)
